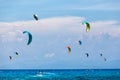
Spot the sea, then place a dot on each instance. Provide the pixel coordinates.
(60, 74)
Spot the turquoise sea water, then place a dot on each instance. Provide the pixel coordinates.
(61, 74)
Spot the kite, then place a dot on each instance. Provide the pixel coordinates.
(87, 26)
(35, 17)
(87, 54)
(16, 53)
(69, 49)
(10, 57)
(29, 37)
(105, 59)
(101, 54)
(80, 42)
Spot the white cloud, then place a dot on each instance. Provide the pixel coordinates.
(85, 5)
(70, 26)
(11, 31)
(101, 6)
(112, 28)
(49, 55)
(106, 6)
(43, 24)
(11, 36)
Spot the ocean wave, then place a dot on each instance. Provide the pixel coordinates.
(44, 74)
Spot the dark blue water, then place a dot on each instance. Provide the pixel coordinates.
(61, 74)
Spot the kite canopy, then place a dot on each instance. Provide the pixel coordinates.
(69, 49)
(87, 26)
(29, 37)
(101, 54)
(80, 42)
(87, 54)
(10, 57)
(16, 53)
(105, 59)
(35, 17)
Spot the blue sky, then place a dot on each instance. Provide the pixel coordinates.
(59, 25)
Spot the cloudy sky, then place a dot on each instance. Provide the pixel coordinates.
(59, 25)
